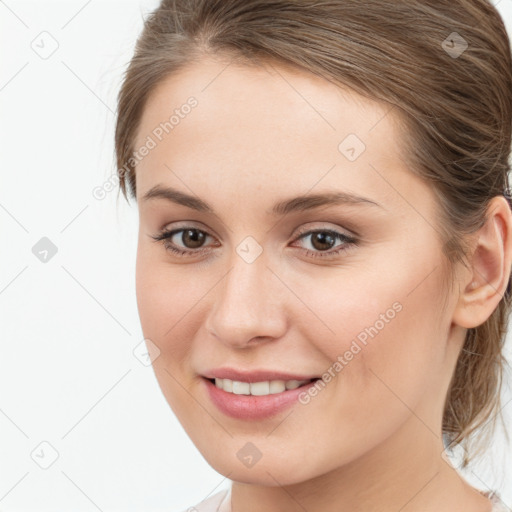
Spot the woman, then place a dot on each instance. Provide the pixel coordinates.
(325, 246)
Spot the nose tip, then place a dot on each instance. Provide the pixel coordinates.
(239, 339)
(246, 306)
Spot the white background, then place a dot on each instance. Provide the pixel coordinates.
(68, 374)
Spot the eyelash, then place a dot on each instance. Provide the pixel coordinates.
(349, 241)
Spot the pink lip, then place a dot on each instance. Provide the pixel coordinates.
(254, 375)
(249, 407)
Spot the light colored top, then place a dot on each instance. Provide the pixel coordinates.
(221, 502)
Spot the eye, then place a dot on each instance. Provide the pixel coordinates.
(322, 240)
(193, 240)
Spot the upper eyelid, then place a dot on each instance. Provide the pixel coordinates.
(188, 225)
(300, 231)
(303, 232)
(340, 231)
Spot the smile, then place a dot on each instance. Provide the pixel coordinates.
(268, 387)
(255, 400)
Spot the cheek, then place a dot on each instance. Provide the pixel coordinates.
(386, 356)
(171, 301)
(389, 336)
(162, 298)
(165, 299)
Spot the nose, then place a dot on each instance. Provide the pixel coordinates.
(248, 305)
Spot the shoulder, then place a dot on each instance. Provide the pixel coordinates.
(210, 504)
(497, 503)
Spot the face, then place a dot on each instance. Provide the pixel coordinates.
(352, 289)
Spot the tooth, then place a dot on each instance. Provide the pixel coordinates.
(257, 388)
(260, 388)
(241, 388)
(277, 386)
(293, 384)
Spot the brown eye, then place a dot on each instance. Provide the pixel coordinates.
(192, 238)
(322, 243)
(322, 240)
(189, 241)
(183, 242)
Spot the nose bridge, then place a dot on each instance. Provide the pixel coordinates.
(245, 300)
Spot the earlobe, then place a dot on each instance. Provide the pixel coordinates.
(486, 280)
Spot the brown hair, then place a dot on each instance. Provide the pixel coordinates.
(455, 105)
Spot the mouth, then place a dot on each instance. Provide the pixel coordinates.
(262, 388)
(256, 400)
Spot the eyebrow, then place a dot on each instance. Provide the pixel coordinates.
(295, 204)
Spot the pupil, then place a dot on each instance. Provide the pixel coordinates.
(323, 238)
(192, 238)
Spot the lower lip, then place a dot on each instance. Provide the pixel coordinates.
(251, 407)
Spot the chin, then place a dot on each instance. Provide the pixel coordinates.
(270, 470)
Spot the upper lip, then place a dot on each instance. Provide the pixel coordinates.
(254, 375)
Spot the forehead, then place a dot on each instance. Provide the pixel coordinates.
(261, 128)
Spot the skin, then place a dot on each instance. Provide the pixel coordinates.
(371, 440)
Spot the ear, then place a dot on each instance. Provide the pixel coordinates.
(487, 277)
